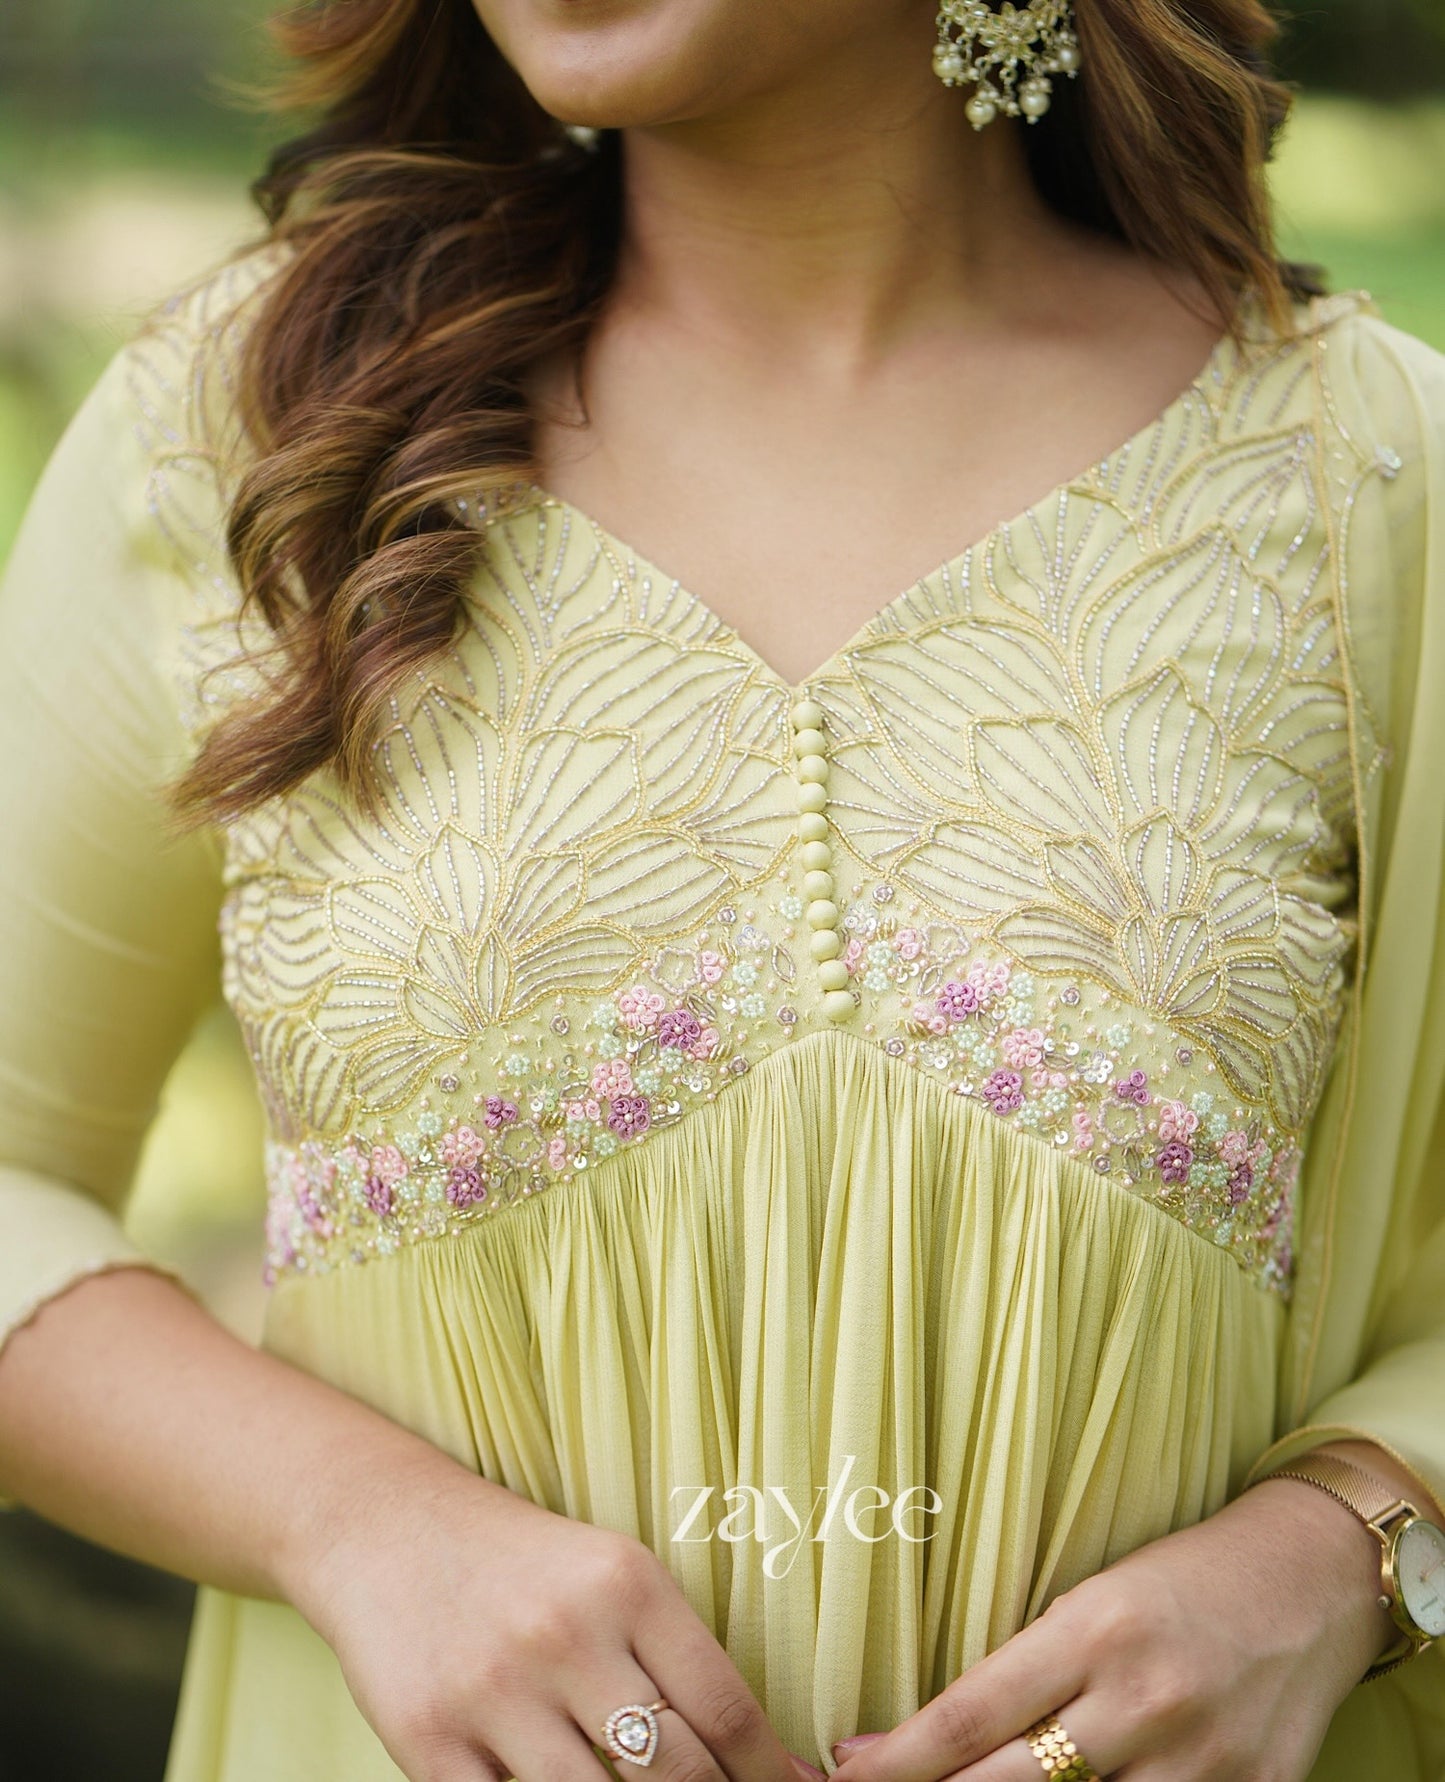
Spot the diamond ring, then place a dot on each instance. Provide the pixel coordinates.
(631, 1732)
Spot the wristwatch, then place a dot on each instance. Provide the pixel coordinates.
(1412, 1564)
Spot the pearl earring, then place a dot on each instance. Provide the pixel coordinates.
(989, 49)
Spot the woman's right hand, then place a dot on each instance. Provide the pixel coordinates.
(485, 1637)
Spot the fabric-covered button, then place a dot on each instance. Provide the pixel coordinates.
(838, 1005)
(812, 771)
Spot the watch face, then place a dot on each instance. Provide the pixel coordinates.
(1420, 1567)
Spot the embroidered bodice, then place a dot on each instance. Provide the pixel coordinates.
(1066, 828)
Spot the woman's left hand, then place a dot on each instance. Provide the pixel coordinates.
(1217, 1654)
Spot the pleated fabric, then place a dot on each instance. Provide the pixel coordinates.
(839, 1277)
(1163, 749)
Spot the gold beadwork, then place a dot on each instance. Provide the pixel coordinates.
(1057, 1753)
(1105, 747)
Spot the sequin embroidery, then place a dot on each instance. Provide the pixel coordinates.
(1086, 804)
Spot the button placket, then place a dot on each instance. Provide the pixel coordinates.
(825, 942)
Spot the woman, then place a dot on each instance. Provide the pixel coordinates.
(821, 1147)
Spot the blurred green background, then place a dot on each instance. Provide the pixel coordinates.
(122, 174)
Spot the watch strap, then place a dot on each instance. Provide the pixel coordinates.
(1370, 1499)
(1377, 1506)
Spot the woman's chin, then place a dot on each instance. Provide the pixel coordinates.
(628, 63)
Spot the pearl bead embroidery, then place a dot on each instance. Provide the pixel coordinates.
(1049, 830)
(822, 913)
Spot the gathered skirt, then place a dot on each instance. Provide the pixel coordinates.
(840, 1285)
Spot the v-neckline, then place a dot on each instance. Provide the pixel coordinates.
(640, 568)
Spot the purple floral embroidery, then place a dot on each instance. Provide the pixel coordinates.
(1004, 1092)
(956, 1001)
(629, 1115)
(680, 1028)
(465, 1186)
(312, 1210)
(500, 1112)
(986, 1029)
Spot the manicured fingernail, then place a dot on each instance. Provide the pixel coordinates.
(806, 1769)
(846, 1747)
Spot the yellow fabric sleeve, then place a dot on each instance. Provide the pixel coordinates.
(1366, 1349)
(1368, 1355)
(108, 923)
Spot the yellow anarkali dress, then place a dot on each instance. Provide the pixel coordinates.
(1068, 1151)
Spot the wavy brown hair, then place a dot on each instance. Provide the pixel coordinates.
(443, 234)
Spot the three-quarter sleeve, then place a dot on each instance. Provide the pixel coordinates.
(108, 920)
(1366, 1357)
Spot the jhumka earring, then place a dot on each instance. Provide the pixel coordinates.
(989, 49)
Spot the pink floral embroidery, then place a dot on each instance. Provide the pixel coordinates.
(611, 1078)
(990, 980)
(387, 1164)
(1177, 1122)
(927, 1015)
(463, 1147)
(385, 1168)
(853, 953)
(629, 1115)
(1024, 1047)
(1234, 1149)
(1004, 1092)
(1242, 1160)
(640, 1008)
(987, 1030)
(710, 966)
(312, 1210)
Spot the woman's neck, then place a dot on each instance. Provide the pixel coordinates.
(839, 222)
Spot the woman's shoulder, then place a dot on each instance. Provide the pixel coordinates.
(1384, 386)
(182, 368)
(1380, 410)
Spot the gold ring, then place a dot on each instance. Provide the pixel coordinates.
(631, 1732)
(1057, 1753)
